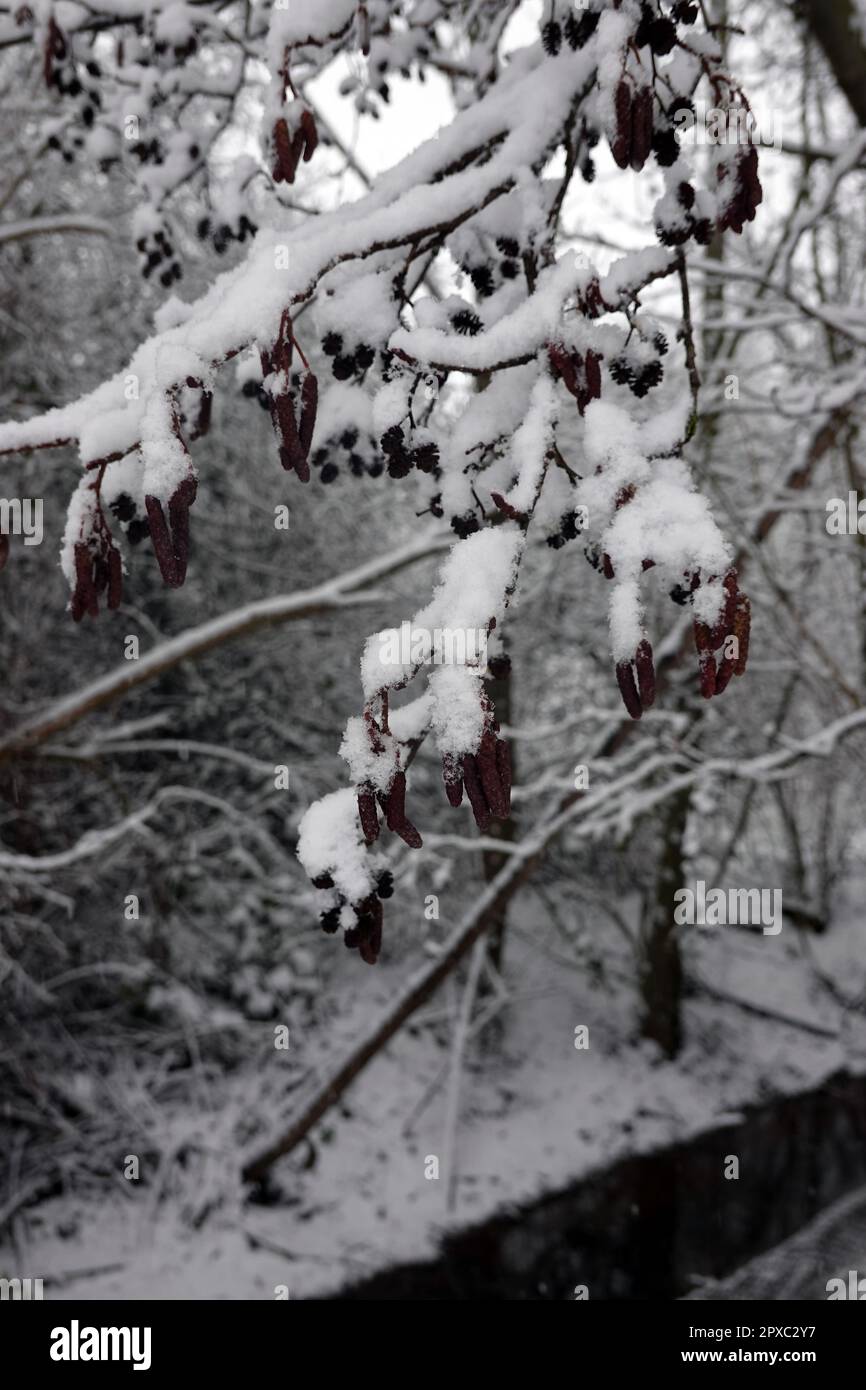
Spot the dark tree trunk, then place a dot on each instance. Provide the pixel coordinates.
(660, 964)
(832, 22)
(500, 693)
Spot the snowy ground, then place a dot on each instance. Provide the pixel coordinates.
(535, 1113)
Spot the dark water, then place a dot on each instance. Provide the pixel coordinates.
(648, 1226)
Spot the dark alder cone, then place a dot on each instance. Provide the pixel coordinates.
(323, 881)
(482, 278)
(4, 549)
(426, 457)
(628, 688)
(666, 148)
(578, 32)
(400, 465)
(551, 37)
(466, 322)
(621, 147)
(642, 32)
(641, 128)
(703, 231)
(652, 375)
(646, 674)
(621, 371)
(385, 884)
(368, 815)
(366, 935)
(568, 527)
(465, 525)
(662, 36)
(330, 920)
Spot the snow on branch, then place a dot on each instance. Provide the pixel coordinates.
(451, 265)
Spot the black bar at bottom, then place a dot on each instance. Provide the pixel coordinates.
(80, 1339)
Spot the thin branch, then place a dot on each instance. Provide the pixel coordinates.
(348, 591)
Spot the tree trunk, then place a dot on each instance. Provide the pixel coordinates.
(499, 691)
(834, 26)
(660, 967)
